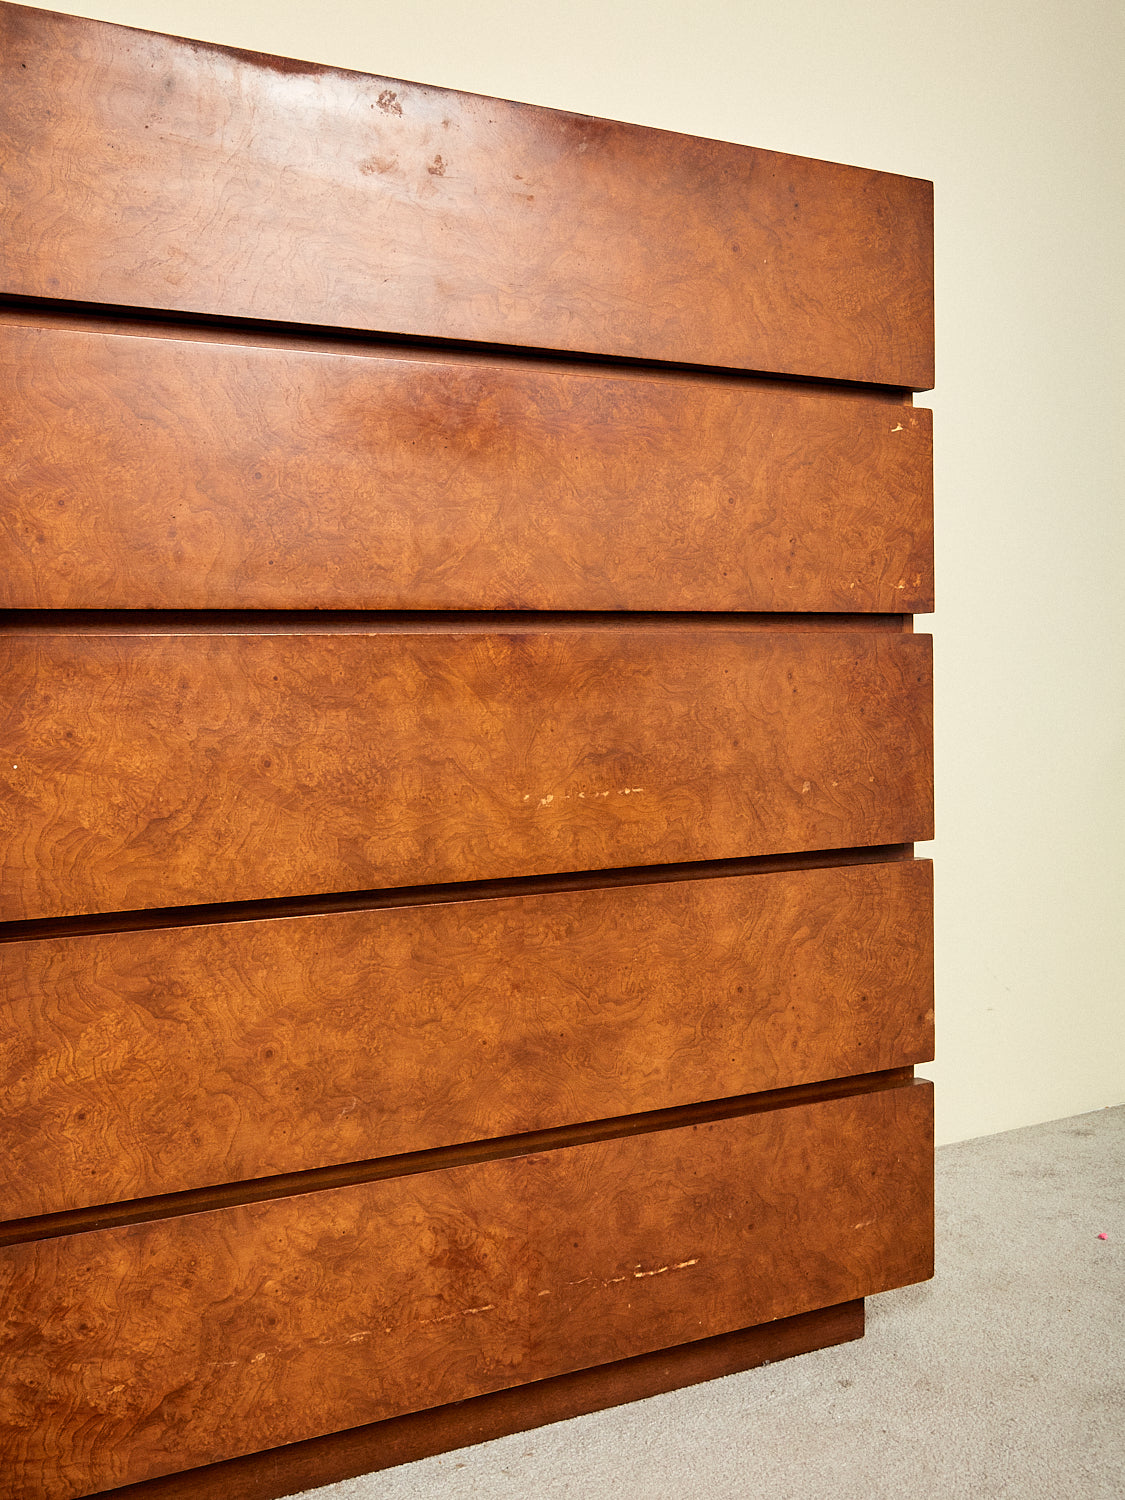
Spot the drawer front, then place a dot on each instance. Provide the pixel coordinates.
(160, 769)
(142, 1349)
(304, 1042)
(144, 168)
(175, 474)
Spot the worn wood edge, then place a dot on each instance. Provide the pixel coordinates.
(42, 929)
(400, 1440)
(94, 317)
(190, 1201)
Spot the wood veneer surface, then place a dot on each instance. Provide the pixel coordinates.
(401, 1440)
(144, 1349)
(146, 171)
(300, 1043)
(154, 473)
(164, 762)
(147, 769)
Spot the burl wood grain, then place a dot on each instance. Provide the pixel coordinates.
(145, 769)
(147, 171)
(304, 1042)
(151, 473)
(149, 1348)
(481, 1419)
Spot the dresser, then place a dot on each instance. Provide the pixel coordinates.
(463, 958)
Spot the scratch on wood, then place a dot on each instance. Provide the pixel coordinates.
(463, 1312)
(660, 1270)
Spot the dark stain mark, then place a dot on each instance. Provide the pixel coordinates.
(372, 164)
(258, 59)
(287, 64)
(437, 167)
(388, 102)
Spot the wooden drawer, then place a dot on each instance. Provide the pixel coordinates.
(302, 1042)
(177, 474)
(311, 195)
(156, 768)
(146, 1348)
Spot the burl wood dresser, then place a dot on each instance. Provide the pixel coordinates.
(464, 959)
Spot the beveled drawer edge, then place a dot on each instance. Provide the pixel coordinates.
(207, 913)
(320, 1179)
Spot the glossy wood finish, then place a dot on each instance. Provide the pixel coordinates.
(401, 1440)
(411, 988)
(152, 473)
(442, 1158)
(141, 1350)
(151, 172)
(207, 913)
(303, 1042)
(149, 769)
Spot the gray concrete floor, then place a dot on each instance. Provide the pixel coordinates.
(1001, 1378)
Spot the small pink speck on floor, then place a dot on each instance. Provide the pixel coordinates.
(1103, 1236)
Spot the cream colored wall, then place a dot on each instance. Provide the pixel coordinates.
(1014, 109)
